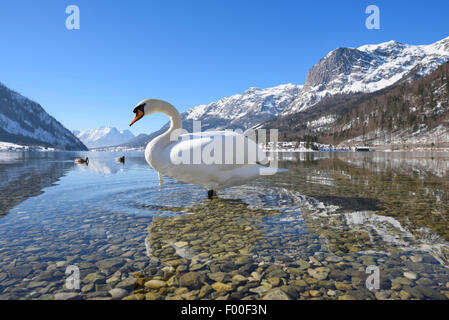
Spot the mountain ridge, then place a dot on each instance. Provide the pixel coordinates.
(104, 136)
(368, 68)
(25, 122)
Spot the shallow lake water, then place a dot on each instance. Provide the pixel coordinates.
(328, 228)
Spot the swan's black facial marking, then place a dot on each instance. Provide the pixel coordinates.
(140, 107)
(139, 112)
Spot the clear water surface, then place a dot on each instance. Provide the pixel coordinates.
(308, 233)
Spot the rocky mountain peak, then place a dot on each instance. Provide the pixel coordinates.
(366, 69)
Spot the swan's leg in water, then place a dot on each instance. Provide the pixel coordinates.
(161, 181)
(211, 194)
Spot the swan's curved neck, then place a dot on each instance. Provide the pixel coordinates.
(175, 123)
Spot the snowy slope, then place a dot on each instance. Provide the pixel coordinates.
(25, 122)
(245, 110)
(104, 137)
(368, 68)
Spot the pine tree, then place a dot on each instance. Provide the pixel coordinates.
(447, 83)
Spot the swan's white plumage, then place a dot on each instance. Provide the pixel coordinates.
(200, 158)
(210, 171)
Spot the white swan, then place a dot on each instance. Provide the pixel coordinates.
(212, 159)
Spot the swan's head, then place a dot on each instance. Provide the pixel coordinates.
(147, 107)
(139, 111)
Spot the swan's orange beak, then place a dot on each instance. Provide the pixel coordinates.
(139, 115)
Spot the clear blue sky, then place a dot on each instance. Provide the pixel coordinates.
(187, 52)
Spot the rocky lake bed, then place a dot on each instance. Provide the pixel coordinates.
(316, 231)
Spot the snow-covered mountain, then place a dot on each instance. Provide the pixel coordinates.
(344, 72)
(25, 122)
(245, 110)
(103, 137)
(368, 68)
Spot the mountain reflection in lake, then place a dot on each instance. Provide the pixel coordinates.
(24, 175)
(309, 233)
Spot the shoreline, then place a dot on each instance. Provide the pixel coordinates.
(12, 147)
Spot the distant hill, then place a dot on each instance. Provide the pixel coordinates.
(25, 122)
(104, 137)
